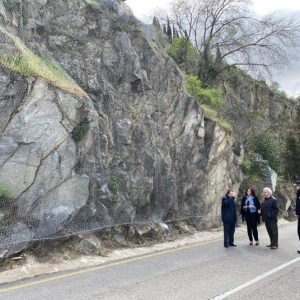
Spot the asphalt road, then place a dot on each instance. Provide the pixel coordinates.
(203, 271)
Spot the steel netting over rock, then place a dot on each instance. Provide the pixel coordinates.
(95, 127)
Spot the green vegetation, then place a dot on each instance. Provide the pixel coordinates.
(9, 5)
(269, 148)
(158, 31)
(71, 245)
(185, 54)
(292, 154)
(226, 32)
(233, 75)
(253, 181)
(80, 131)
(93, 3)
(4, 192)
(114, 199)
(105, 98)
(251, 167)
(123, 25)
(25, 62)
(212, 114)
(13, 6)
(114, 183)
(275, 87)
(210, 96)
(262, 126)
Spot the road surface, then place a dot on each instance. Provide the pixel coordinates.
(203, 271)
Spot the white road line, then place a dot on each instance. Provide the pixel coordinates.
(258, 278)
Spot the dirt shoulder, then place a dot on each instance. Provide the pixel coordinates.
(32, 266)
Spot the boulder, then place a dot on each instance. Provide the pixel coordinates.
(14, 239)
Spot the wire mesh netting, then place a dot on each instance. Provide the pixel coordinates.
(73, 156)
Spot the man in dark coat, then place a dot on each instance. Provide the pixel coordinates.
(228, 211)
(269, 212)
(298, 209)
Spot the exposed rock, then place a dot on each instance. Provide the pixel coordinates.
(164, 227)
(144, 232)
(90, 246)
(59, 206)
(3, 13)
(119, 239)
(270, 176)
(14, 239)
(134, 149)
(253, 105)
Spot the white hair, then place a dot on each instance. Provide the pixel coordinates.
(268, 189)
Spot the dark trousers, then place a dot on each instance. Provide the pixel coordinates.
(299, 227)
(251, 220)
(272, 230)
(229, 229)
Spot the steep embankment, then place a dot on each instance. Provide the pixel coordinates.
(115, 141)
(264, 120)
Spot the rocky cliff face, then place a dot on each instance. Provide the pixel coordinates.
(252, 105)
(262, 119)
(115, 141)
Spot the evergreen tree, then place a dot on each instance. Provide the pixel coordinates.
(174, 31)
(169, 30)
(292, 156)
(164, 29)
(156, 23)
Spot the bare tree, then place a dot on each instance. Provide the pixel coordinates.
(227, 33)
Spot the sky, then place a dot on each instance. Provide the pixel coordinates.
(288, 78)
(142, 9)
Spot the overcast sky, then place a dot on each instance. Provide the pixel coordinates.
(289, 78)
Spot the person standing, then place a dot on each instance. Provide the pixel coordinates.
(250, 210)
(269, 211)
(298, 209)
(228, 212)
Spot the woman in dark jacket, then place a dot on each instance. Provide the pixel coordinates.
(250, 210)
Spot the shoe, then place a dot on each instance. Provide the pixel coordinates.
(298, 250)
(274, 247)
(232, 245)
(226, 246)
(269, 245)
(251, 243)
(256, 243)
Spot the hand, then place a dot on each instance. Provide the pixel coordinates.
(259, 211)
